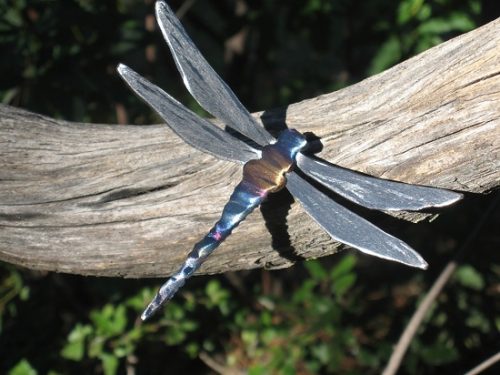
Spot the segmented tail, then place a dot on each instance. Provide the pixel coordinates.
(260, 177)
(242, 202)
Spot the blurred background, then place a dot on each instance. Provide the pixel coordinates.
(340, 314)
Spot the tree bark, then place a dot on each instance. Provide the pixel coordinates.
(131, 201)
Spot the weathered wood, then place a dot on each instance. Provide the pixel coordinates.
(132, 200)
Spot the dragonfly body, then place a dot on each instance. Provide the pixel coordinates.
(260, 177)
(270, 168)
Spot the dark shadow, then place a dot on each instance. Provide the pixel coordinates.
(274, 120)
(276, 207)
(275, 211)
(241, 137)
(314, 144)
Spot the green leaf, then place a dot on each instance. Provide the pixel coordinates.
(315, 269)
(304, 292)
(13, 16)
(111, 320)
(342, 284)
(456, 22)
(23, 367)
(174, 312)
(408, 9)
(388, 55)
(193, 350)
(75, 347)
(257, 370)
(439, 353)
(469, 277)
(322, 353)
(9, 95)
(425, 13)
(216, 293)
(96, 346)
(109, 363)
(250, 337)
(475, 6)
(345, 266)
(140, 300)
(24, 293)
(477, 320)
(427, 41)
(73, 351)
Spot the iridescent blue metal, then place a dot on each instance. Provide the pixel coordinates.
(260, 177)
(267, 174)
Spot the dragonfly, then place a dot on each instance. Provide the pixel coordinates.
(270, 164)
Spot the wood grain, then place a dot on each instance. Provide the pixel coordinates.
(132, 200)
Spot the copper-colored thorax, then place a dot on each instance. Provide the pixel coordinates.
(268, 173)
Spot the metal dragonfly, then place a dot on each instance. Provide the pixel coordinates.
(270, 166)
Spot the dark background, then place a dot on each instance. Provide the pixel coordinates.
(341, 314)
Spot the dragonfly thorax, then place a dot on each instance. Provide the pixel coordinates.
(267, 174)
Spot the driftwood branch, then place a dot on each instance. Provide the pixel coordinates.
(131, 200)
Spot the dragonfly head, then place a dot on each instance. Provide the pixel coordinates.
(290, 141)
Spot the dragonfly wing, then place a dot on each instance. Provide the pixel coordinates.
(204, 84)
(375, 193)
(347, 227)
(194, 130)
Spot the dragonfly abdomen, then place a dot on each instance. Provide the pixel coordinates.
(260, 177)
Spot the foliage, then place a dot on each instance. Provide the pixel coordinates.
(420, 25)
(337, 315)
